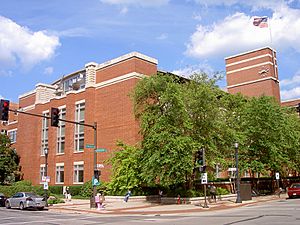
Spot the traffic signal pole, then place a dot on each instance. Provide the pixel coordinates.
(95, 161)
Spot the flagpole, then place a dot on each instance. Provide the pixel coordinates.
(273, 56)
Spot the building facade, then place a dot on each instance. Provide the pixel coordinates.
(97, 94)
(253, 73)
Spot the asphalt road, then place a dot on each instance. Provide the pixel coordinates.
(281, 212)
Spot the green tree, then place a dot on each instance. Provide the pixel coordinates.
(165, 124)
(9, 161)
(264, 126)
(126, 169)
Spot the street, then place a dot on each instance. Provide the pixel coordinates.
(281, 212)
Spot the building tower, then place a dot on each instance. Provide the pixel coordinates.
(253, 73)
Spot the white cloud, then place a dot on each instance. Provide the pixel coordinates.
(295, 80)
(293, 93)
(124, 10)
(236, 33)
(19, 44)
(143, 3)
(48, 70)
(162, 36)
(189, 70)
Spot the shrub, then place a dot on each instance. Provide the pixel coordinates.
(55, 201)
(222, 191)
(75, 190)
(58, 190)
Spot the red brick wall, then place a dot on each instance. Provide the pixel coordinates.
(250, 81)
(124, 67)
(109, 106)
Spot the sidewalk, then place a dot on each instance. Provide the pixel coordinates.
(144, 207)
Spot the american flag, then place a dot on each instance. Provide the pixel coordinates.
(261, 22)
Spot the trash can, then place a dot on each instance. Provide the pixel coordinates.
(245, 191)
(92, 202)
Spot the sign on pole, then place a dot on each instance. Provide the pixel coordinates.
(277, 176)
(46, 186)
(204, 178)
(95, 182)
(89, 146)
(100, 150)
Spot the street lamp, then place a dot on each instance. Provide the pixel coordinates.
(238, 193)
(46, 170)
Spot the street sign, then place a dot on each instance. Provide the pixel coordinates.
(46, 186)
(204, 178)
(277, 176)
(89, 146)
(45, 178)
(100, 166)
(100, 150)
(95, 182)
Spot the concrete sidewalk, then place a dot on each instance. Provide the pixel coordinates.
(144, 207)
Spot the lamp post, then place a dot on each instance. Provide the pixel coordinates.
(238, 193)
(46, 170)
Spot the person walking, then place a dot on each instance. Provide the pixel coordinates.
(213, 192)
(128, 194)
(68, 195)
(101, 200)
(97, 201)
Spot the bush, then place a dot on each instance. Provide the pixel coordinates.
(58, 190)
(23, 183)
(87, 189)
(55, 201)
(222, 191)
(75, 190)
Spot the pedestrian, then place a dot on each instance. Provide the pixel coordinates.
(101, 200)
(128, 194)
(213, 192)
(97, 201)
(160, 194)
(68, 195)
(279, 192)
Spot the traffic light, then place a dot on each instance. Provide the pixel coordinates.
(202, 169)
(4, 109)
(97, 174)
(54, 117)
(200, 157)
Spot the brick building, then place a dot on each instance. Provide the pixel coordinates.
(255, 73)
(98, 94)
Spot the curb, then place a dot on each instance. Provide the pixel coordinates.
(128, 211)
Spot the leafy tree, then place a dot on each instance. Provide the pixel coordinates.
(9, 160)
(263, 147)
(126, 169)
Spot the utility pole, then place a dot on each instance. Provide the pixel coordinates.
(238, 191)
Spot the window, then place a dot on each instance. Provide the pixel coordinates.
(75, 82)
(45, 128)
(78, 172)
(12, 135)
(79, 129)
(60, 173)
(42, 171)
(61, 132)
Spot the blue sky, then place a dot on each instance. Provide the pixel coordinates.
(40, 41)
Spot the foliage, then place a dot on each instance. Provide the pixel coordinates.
(57, 190)
(222, 191)
(86, 190)
(55, 200)
(9, 161)
(126, 166)
(75, 190)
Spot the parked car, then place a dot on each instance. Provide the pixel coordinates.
(2, 199)
(23, 200)
(294, 190)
